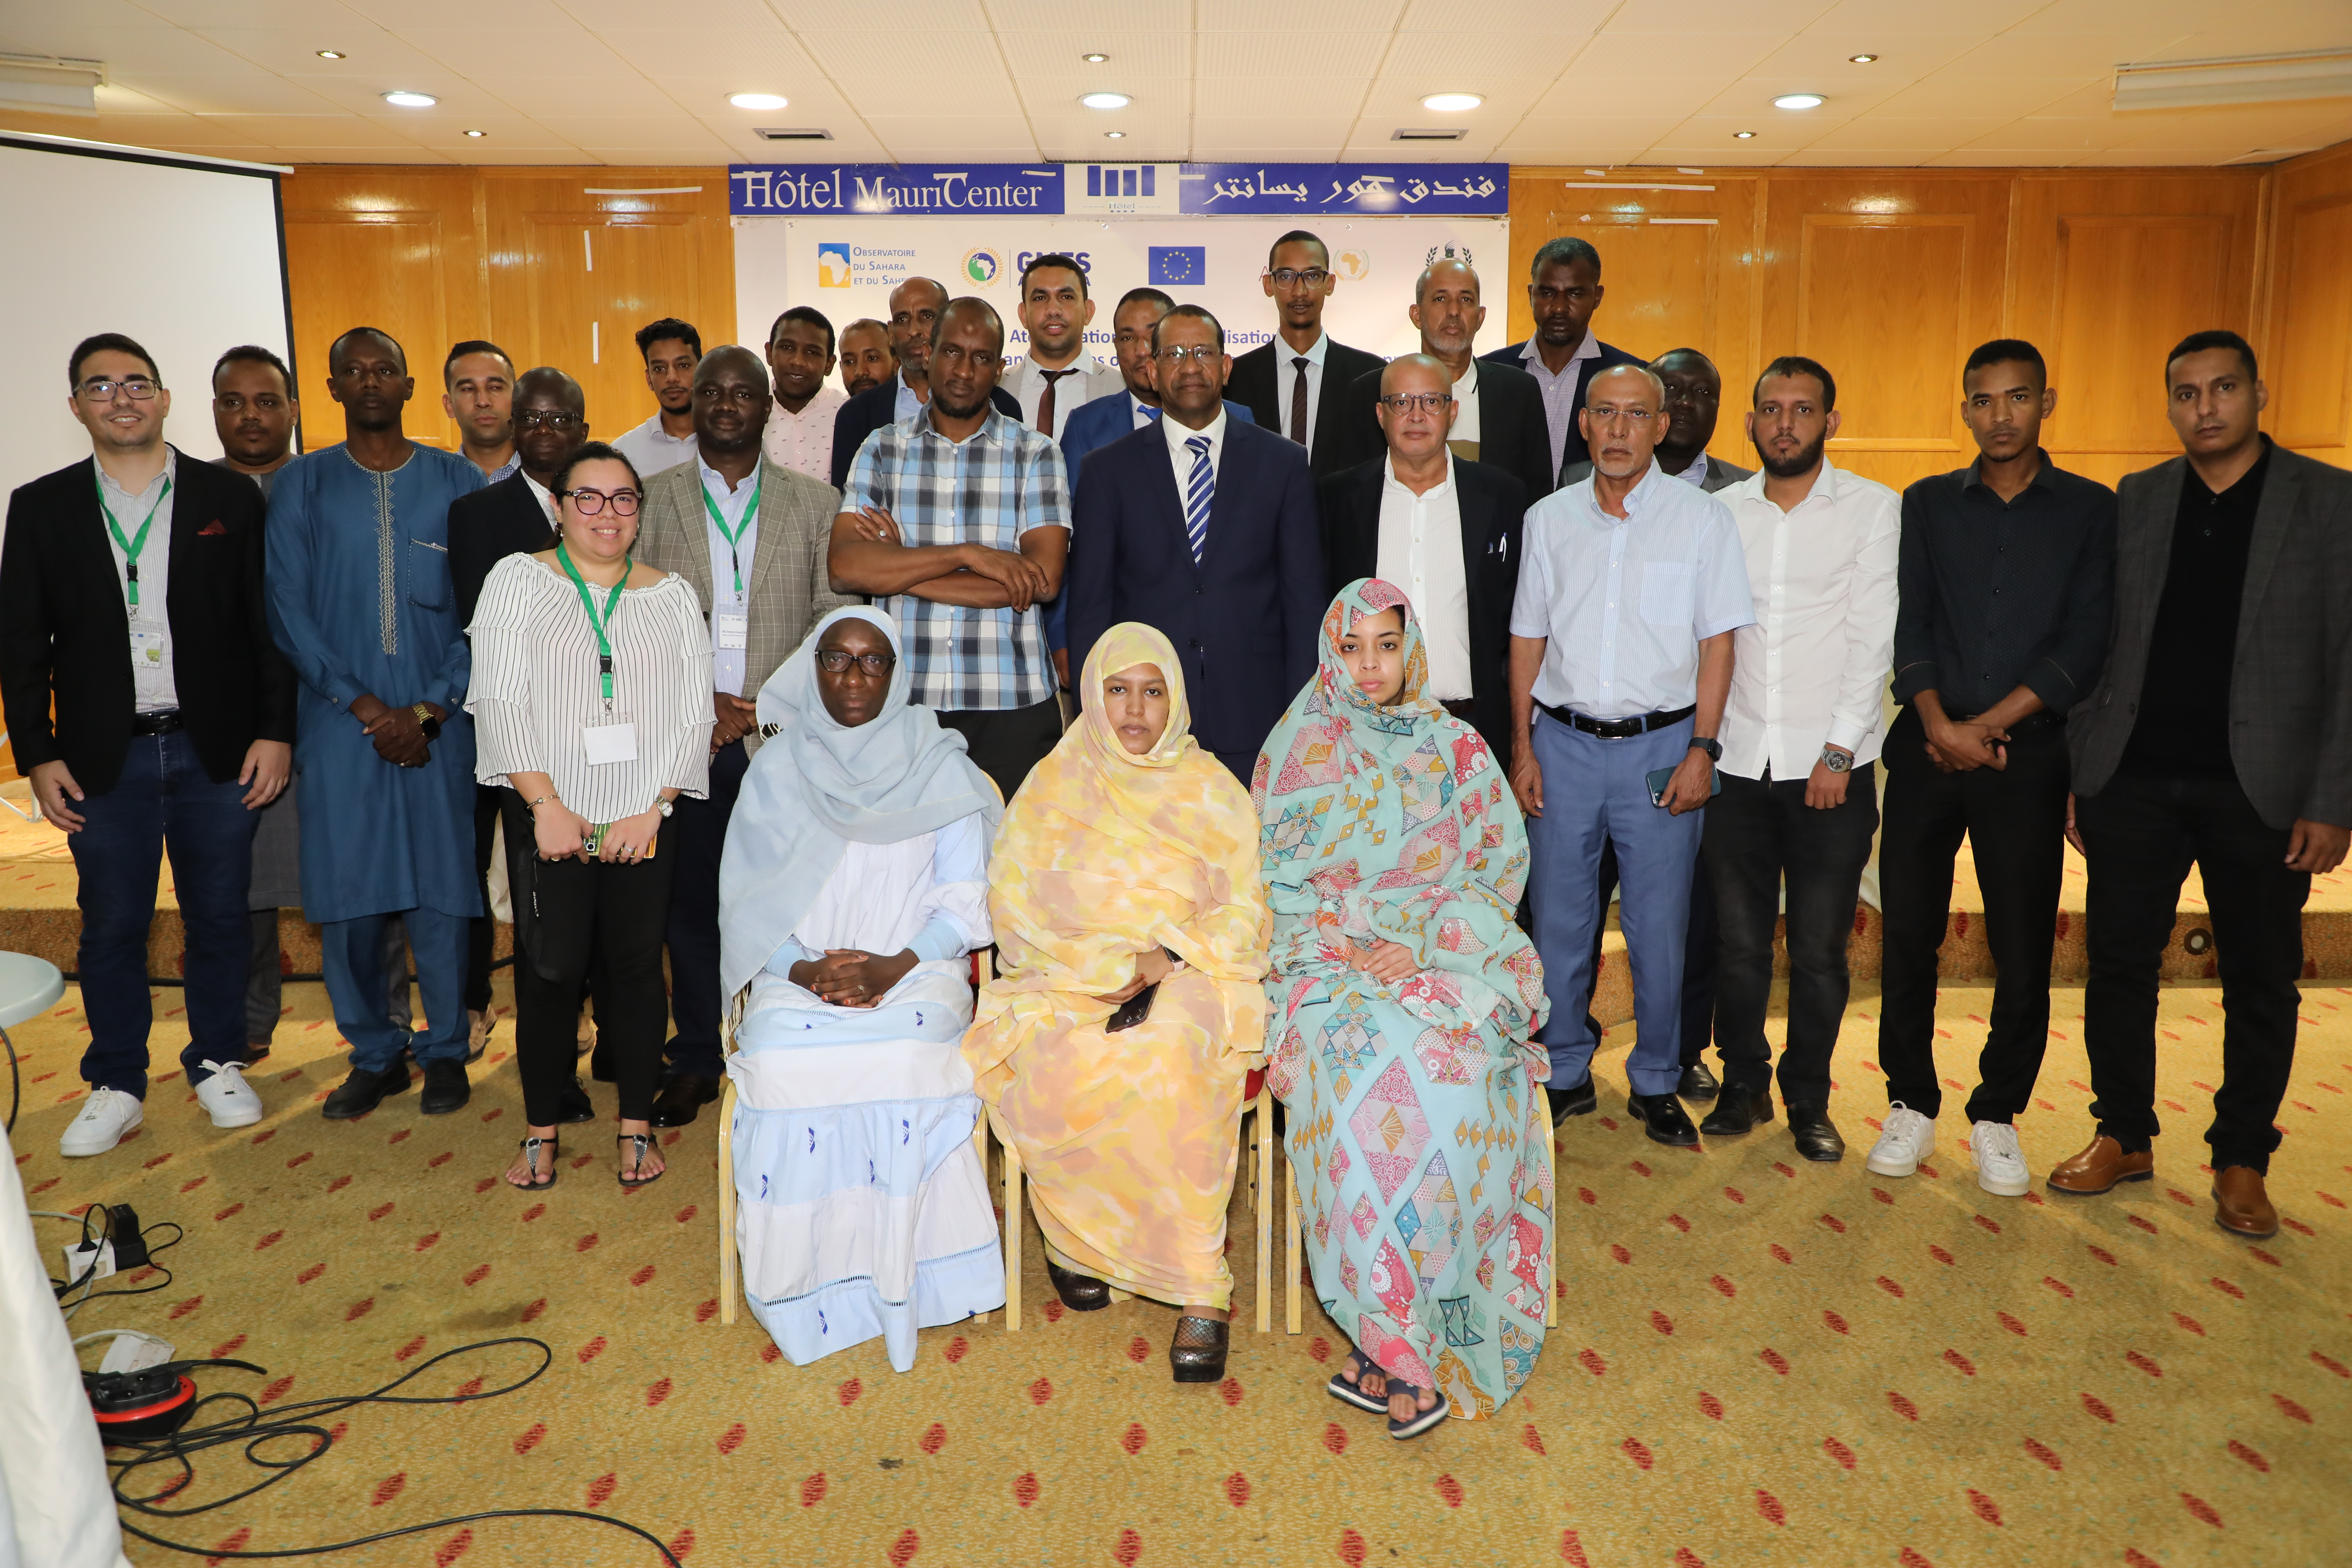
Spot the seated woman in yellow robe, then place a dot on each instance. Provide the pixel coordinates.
(1124, 882)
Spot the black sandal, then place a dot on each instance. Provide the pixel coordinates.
(531, 1148)
(1347, 1392)
(1422, 1420)
(642, 1142)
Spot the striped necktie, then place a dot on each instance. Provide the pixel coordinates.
(1199, 490)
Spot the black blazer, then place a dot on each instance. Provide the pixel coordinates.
(1511, 433)
(876, 406)
(1574, 449)
(1257, 382)
(64, 631)
(487, 527)
(1244, 620)
(1492, 502)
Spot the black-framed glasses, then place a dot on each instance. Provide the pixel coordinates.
(588, 503)
(139, 388)
(836, 661)
(1198, 354)
(1291, 276)
(1417, 402)
(541, 419)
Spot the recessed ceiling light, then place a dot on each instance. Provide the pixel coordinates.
(1452, 102)
(1798, 100)
(1115, 135)
(1743, 135)
(1105, 100)
(331, 54)
(477, 133)
(411, 100)
(1862, 60)
(1094, 60)
(756, 100)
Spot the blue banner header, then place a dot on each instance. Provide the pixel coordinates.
(1206, 190)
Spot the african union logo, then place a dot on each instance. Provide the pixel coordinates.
(832, 266)
(981, 267)
(1354, 264)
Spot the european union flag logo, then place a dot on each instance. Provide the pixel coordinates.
(1179, 264)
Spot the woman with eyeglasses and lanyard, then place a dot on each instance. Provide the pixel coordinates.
(591, 700)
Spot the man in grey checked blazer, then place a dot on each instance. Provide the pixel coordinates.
(779, 556)
(2233, 631)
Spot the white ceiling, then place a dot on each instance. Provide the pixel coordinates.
(1565, 81)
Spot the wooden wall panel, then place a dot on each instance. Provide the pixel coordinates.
(2307, 346)
(2128, 288)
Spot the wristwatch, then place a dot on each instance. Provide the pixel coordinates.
(1836, 760)
(425, 722)
(1710, 745)
(665, 807)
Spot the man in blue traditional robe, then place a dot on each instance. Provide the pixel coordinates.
(360, 601)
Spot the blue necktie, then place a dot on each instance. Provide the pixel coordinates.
(1199, 488)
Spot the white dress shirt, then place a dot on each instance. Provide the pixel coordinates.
(545, 498)
(1181, 460)
(903, 402)
(1696, 473)
(1465, 406)
(1420, 551)
(1811, 671)
(727, 663)
(1625, 602)
(1140, 413)
(1090, 378)
(652, 448)
(802, 442)
(1286, 374)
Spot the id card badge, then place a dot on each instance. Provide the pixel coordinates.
(146, 647)
(733, 630)
(609, 743)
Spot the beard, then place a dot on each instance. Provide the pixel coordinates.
(1801, 462)
(940, 400)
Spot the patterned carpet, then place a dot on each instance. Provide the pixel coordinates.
(1760, 1360)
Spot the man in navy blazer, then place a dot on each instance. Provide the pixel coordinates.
(914, 306)
(1227, 562)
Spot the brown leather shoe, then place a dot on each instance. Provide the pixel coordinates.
(2240, 1205)
(2098, 1168)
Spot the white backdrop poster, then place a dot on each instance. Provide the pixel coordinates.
(847, 267)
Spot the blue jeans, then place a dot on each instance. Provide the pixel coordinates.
(1596, 792)
(358, 979)
(163, 797)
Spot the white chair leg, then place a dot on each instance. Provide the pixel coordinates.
(980, 1150)
(1013, 1227)
(1262, 1189)
(727, 1281)
(1293, 1257)
(1551, 1265)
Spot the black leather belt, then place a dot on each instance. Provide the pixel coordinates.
(1618, 728)
(163, 724)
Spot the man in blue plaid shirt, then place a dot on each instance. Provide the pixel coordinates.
(957, 521)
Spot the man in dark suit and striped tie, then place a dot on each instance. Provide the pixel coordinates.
(1205, 527)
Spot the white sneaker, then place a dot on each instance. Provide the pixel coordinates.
(228, 1097)
(2001, 1163)
(1907, 1139)
(106, 1116)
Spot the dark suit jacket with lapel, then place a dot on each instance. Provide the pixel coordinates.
(1511, 432)
(1244, 620)
(2291, 685)
(487, 527)
(1257, 381)
(63, 630)
(1574, 449)
(1720, 475)
(1492, 502)
(878, 405)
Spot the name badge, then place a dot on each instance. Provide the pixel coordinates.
(146, 648)
(733, 630)
(609, 743)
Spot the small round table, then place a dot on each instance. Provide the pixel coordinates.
(30, 987)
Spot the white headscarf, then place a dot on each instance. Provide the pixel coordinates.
(818, 785)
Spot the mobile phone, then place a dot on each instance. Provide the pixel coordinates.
(1659, 778)
(1132, 1011)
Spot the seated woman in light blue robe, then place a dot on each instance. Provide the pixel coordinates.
(853, 885)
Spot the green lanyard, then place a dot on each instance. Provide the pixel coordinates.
(597, 623)
(133, 547)
(750, 514)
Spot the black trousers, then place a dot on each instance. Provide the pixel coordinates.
(2142, 834)
(1006, 743)
(1699, 943)
(2015, 822)
(1759, 833)
(481, 936)
(693, 842)
(610, 911)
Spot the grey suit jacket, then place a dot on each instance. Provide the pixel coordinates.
(2291, 682)
(1720, 475)
(790, 591)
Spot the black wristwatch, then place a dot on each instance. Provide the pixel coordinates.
(1710, 745)
(425, 722)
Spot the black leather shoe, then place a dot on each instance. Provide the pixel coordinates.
(1699, 1084)
(1568, 1102)
(363, 1091)
(1738, 1109)
(684, 1094)
(445, 1088)
(1197, 1353)
(1817, 1136)
(1079, 1292)
(1662, 1118)
(575, 1106)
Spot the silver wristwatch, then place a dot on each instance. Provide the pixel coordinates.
(663, 806)
(1837, 761)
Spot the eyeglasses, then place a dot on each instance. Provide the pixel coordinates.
(98, 389)
(1198, 354)
(540, 419)
(588, 503)
(1291, 276)
(1416, 402)
(837, 662)
(1636, 418)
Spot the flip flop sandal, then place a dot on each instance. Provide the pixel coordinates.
(1347, 1392)
(531, 1148)
(1422, 1420)
(642, 1142)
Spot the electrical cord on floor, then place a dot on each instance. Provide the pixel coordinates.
(303, 1421)
(87, 1281)
(15, 1085)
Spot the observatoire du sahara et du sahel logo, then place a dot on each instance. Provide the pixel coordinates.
(833, 265)
(981, 267)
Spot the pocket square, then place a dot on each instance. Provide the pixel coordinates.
(210, 528)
